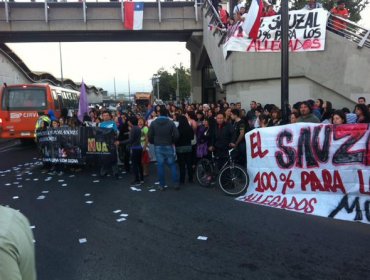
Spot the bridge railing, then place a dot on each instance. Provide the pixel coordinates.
(8, 4)
(350, 30)
(215, 22)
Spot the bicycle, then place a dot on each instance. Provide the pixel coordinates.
(232, 178)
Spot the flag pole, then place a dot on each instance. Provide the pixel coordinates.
(284, 59)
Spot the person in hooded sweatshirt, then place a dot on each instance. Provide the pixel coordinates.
(164, 134)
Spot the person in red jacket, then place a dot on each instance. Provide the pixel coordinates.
(268, 11)
(224, 15)
(340, 11)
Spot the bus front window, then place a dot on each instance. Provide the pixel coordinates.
(24, 99)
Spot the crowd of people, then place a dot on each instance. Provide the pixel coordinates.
(232, 23)
(187, 132)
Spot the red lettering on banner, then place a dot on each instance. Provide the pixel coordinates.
(362, 183)
(344, 154)
(331, 183)
(256, 150)
(292, 203)
(295, 45)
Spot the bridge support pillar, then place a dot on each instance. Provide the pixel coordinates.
(196, 80)
(196, 48)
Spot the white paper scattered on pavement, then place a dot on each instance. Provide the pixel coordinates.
(32, 227)
(135, 189)
(124, 215)
(204, 238)
(41, 197)
(82, 240)
(35, 179)
(117, 211)
(121, 220)
(45, 192)
(96, 181)
(15, 197)
(87, 194)
(89, 202)
(61, 180)
(156, 183)
(71, 176)
(64, 185)
(152, 190)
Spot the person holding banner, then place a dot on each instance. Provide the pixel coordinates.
(307, 116)
(109, 123)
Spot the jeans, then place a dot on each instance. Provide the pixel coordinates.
(166, 154)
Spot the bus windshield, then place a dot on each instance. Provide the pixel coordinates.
(24, 99)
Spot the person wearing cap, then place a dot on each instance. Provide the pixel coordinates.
(306, 115)
(312, 4)
(340, 11)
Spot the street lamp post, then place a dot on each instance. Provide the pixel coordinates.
(157, 81)
(115, 92)
(61, 63)
(177, 87)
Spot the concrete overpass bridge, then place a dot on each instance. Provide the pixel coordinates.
(339, 74)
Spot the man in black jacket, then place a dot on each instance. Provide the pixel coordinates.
(163, 134)
(221, 139)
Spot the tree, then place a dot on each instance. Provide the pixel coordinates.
(355, 7)
(168, 83)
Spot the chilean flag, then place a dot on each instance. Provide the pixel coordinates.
(133, 15)
(252, 23)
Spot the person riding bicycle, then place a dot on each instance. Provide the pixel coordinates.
(221, 139)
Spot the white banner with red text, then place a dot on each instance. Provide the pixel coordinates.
(316, 169)
(307, 32)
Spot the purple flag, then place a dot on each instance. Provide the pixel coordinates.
(83, 107)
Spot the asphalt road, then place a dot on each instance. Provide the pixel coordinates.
(158, 239)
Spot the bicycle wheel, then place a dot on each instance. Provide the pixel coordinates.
(233, 180)
(204, 172)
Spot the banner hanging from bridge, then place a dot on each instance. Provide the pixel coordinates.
(314, 169)
(307, 32)
(77, 145)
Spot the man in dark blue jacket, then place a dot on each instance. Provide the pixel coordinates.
(164, 134)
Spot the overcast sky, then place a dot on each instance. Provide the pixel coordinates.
(100, 63)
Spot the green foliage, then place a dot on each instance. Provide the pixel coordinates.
(355, 7)
(168, 83)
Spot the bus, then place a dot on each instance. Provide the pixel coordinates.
(20, 104)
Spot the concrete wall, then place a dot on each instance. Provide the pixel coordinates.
(268, 92)
(340, 73)
(9, 73)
